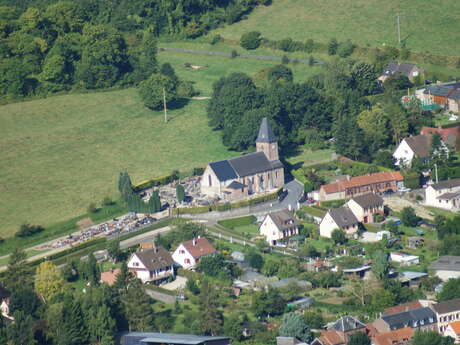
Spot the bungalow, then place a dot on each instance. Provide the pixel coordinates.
(418, 146)
(401, 336)
(445, 194)
(446, 267)
(365, 206)
(339, 218)
(279, 226)
(446, 312)
(400, 68)
(419, 319)
(453, 331)
(377, 183)
(188, 254)
(404, 259)
(151, 265)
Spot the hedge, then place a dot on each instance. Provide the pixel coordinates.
(332, 203)
(235, 222)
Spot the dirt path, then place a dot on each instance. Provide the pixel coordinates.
(398, 203)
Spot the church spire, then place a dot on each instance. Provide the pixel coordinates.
(266, 134)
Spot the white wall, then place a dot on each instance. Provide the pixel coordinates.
(431, 195)
(404, 260)
(269, 229)
(181, 255)
(357, 210)
(216, 185)
(404, 152)
(446, 275)
(327, 226)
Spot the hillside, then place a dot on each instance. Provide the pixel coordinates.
(426, 25)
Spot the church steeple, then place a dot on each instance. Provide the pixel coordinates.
(266, 141)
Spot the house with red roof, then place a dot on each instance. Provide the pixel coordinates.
(450, 136)
(453, 331)
(401, 336)
(188, 254)
(403, 307)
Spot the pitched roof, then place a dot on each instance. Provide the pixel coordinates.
(155, 258)
(109, 277)
(173, 338)
(394, 337)
(446, 263)
(448, 135)
(447, 306)
(402, 308)
(343, 216)
(368, 200)
(455, 182)
(236, 185)
(411, 318)
(399, 67)
(438, 90)
(455, 95)
(449, 196)
(223, 170)
(332, 337)
(455, 327)
(199, 247)
(283, 219)
(347, 323)
(266, 134)
(250, 164)
(420, 144)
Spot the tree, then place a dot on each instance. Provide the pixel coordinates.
(250, 40)
(24, 299)
(374, 122)
(21, 331)
(48, 281)
(138, 310)
(151, 91)
(154, 204)
(439, 154)
(255, 260)
(380, 265)
(211, 318)
(450, 290)
(450, 245)
(268, 303)
(359, 338)
(430, 338)
(332, 46)
(233, 327)
(309, 251)
(293, 325)
(114, 251)
(408, 216)
(92, 271)
(314, 319)
(17, 274)
(167, 70)
(67, 323)
(280, 73)
(26, 230)
(270, 267)
(180, 193)
(338, 236)
(382, 299)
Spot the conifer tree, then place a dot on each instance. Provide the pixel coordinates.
(211, 318)
(180, 193)
(20, 332)
(73, 329)
(17, 274)
(137, 307)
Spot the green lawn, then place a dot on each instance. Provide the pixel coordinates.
(426, 25)
(309, 157)
(247, 229)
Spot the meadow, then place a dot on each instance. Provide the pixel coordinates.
(425, 25)
(61, 153)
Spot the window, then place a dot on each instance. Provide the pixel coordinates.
(187, 261)
(181, 251)
(135, 264)
(209, 180)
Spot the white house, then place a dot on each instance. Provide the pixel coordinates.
(404, 259)
(411, 147)
(189, 253)
(279, 226)
(365, 206)
(339, 218)
(445, 194)
(151, 265)
(447, 267)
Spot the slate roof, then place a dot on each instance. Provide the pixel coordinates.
(171, 338)
(343, 216)
(199, 247)
(276, 164)
(455, 182)
(455, 95)
(446, 263)
(236, 185)
(420, 144)
(399, 67)
(250, 164)
(438, 90)
(266, 134)
(398, 336)
(368, 200)
(449, 196)
(155, 258)
(412, 318)
(223, 170)
(346, 324)
(402, 308)
(447, 306)
(283, 219)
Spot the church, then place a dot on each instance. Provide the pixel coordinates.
(251, 174)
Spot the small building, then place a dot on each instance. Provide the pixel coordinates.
(412, 279)
(188, 254)
(453, 331)
(414, 242)
(418, 146)
(400, 68)
(401, 336)
(302, 304)
(423, 319)
(5, 297)
(279, 226)
(445, 194)
(365, 206)
(371, 237)
(289, 341)
(156, 338)
(340, 331)
(404, 259)
(110, 277)
(446, 312)
(446, 267)
(339, 218)
(151, 265)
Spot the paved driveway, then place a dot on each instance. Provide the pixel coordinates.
(178, 283)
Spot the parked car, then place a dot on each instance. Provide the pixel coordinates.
(404, 189)
(282, 195)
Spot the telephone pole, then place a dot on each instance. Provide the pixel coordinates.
(399, 29)
(164, 105)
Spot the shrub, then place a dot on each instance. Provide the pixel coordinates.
(284, 60)
(279, 73)
(419, 197)
(378, 218)
(234, 54)
(309, 46)
(92, 208)
(287, 45)
(216, 39)
(107, 201)
(345, 49)
(250, 40)
(332, 46)
(311, 61)
(185, 89)
(26, 230)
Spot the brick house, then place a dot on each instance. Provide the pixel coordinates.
(376, 183)
(251, 174)
(279, 226)
(152, 265)
(365, 206)
(189, 253)
(450, 136)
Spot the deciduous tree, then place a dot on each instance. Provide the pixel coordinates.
(48, 281)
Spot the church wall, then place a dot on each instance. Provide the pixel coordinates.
(216, 186)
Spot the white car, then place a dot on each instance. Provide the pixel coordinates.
(404, 189)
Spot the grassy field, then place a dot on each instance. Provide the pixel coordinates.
(425, 25)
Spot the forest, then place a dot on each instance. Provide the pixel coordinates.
(52, 46)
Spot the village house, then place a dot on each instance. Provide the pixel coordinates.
(376, 183)
(340, 331)
(453, 331)
(5, 298)
(158, 338)
(447, 96)
(251, 174)
(418, 146)
(188, 254)
(339, 218)
(446, 267)
(279, 226)
(365, 206)
(404, 259)
(445, 194)
(152, 265)
(417, 319)
(450, 136)
(402, 308)
(401, 336)
(411, 279)
(446, 312)
(400, 68)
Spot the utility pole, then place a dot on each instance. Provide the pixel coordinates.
(164, 105)
(436, 172)
(399, 30)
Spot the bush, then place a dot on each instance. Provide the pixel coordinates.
(332, 46)
(234, 54)
(345, 49)
(279, 73)
(26, 230)
(408, 217)
(185, 89)
(156, 181)
(107, 201)
(378, 218)
(151, 91)
(250, 40)
(216, 39)
(412, 180)
(284, 60)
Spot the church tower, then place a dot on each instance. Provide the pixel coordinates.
(267, 142)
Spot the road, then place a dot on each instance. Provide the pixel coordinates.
(148, 236)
